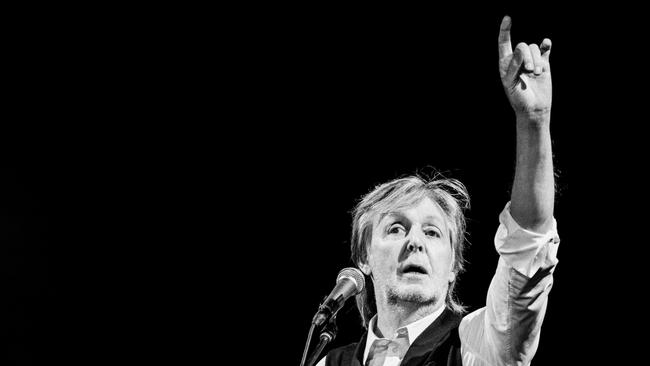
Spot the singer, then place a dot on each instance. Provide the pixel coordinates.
(408, 237)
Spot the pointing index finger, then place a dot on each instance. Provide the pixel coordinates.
(505, 45)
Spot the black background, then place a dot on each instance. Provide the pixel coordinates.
(175, 177)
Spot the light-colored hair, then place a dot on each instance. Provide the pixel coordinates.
(452, 197)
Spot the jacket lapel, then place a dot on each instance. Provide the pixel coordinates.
(357, 355)
(424, 346)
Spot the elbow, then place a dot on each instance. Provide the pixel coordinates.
(539, 221)
(536, 224)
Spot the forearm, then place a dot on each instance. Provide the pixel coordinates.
(533, 191)
(507, 330)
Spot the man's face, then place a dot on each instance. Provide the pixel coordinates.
(410, 255)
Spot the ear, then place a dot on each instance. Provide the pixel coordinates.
(365, 268)
(452, 277)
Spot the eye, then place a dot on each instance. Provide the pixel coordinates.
(432, 233)
(396, 229)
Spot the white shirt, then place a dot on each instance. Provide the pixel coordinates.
(505, 331)
(413, 330)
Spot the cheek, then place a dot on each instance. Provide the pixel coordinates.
(383, 258)
(442, 261)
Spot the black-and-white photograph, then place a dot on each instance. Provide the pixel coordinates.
(283, 185)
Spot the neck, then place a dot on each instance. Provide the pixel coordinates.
(391, 317)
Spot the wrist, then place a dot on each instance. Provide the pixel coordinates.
(534, 119)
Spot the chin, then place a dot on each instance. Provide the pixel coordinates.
(411, 294)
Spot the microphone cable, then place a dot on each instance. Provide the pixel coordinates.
(304, 352)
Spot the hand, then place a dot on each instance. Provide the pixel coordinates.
(525, 74)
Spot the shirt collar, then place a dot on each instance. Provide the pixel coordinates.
(413, 330)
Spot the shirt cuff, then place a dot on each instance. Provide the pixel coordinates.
(524, 250)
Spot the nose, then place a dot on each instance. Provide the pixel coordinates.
(414, 244)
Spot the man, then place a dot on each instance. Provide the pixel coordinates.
(408, 237)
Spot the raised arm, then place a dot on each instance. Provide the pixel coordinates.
(526, 77)
(507, 330)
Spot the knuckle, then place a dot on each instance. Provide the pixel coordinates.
(522, 46)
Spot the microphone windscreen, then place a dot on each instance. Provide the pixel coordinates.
(353, 274)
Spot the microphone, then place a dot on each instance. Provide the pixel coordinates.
(349, 282)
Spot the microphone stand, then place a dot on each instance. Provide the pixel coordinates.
(326, 336)
(305, 351)
(349, 282)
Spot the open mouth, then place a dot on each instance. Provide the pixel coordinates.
(414, 269)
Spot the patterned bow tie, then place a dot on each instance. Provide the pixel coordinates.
(385, 348)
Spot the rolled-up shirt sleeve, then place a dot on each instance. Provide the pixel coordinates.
(506, 331)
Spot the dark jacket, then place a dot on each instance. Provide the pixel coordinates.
(438, 345)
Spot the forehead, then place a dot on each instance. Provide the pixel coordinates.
(423, 210)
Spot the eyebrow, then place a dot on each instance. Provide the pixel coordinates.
(439, 221)
(395, 214)
(435, 219)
